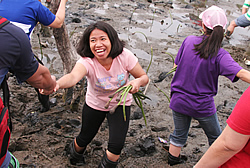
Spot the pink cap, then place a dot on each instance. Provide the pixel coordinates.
(214, 16)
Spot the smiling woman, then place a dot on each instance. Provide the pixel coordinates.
(100, 46)
(107, 65)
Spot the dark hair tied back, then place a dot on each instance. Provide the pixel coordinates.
(211, 43)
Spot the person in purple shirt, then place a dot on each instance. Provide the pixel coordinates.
(200, 61)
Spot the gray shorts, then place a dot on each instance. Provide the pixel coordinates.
(242, 21)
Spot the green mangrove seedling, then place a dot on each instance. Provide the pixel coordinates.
(122, 93)
(171, 71)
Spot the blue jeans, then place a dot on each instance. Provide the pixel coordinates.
(210, 125)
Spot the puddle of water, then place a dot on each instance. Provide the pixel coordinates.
(123, 36)
(154, 99)
(172, 51)
(100, 11)
(239, 36)
(106, 5)
(132, 42)
(116, 5)
(182, 16)
(159, 29)
(141, 53)
(234, 14)
(152, 6)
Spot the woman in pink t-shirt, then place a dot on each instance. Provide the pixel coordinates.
(107, 65)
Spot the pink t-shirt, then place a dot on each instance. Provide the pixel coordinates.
(239, 121)
(102, 83)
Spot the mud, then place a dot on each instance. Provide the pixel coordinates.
(159, 27)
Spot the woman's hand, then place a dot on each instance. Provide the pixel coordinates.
(57, 87)
(48, 91)
(45, 92)
(141, 78)
(135, 85)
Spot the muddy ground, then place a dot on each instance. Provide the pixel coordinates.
(39, 138)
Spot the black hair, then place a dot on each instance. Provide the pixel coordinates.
(117, 45)
(211, 42)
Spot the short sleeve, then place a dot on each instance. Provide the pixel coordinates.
(239, 120)
(130, 60)
(246, 4)
(228, 67)
(44, 15)
(16, 53)
(87, 63)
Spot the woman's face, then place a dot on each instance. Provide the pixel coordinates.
(100, 44)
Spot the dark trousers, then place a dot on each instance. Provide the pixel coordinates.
(44, 100)
(118, 128)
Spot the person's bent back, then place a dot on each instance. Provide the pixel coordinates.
(16, 56)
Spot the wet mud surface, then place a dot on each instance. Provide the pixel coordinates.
(159, 27)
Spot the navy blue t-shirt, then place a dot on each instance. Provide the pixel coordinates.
(16, 54)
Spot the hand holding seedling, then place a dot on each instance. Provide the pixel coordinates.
(135, 85)
(122, 93)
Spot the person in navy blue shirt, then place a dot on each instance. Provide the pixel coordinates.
(16, 56)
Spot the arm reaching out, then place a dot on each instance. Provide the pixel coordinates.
(244, 75)
(69, 80)
(42, 79)
(141, 78)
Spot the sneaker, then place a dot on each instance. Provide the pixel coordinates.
(172, 160)
(247, 62)
(227, 34)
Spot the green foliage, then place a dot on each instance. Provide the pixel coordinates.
(122, 93)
